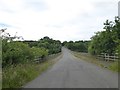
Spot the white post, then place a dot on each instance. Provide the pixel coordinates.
(114, 57)
(105, 56)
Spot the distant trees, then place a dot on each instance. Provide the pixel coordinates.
(79, 46)
(107, 41)
(53, 46)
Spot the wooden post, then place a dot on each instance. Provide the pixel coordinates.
(108, 57)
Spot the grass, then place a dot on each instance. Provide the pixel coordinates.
(0, 77)
(114, 67)
(15, 77)
(88, 58)
(100, 62)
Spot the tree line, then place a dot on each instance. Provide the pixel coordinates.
(53, 46)
(107, 41)
(79, 46)
(16, 52)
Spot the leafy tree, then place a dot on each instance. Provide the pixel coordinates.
(106, 41)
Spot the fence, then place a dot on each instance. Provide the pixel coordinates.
(39, 59)
(107, 57)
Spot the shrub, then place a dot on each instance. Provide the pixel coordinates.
(15, 52)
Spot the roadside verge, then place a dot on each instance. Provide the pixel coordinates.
(16, 77)
(99, 62)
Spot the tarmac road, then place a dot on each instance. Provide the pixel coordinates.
(71, 72)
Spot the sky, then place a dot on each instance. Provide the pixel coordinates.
(62, 20)
(119, 8)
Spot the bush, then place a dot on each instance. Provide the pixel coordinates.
(16, 52)
(19, 52)
(39, 52)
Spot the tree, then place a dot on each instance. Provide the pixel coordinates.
(79, 46)
(53, 46)
(106, 41)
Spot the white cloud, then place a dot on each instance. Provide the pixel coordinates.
(58, 19)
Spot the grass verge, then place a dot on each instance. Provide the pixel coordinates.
(93, 59)
(0, 78)
(15, 77)
(114, 67)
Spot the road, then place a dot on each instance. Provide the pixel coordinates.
(71, 72)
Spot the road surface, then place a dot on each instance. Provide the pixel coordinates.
(71, 72)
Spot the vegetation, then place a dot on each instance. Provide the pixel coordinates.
(114, 67)
(15, 77)
(53, 46)
(79, 46)
(89, 58)
(92, 59)
(107, 41)
(18, 58)
(15, 52)
(18, 54)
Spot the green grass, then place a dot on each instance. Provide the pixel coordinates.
(88, 58)
(0, 78)
(114, 67)
(93, 59)
(15, 77)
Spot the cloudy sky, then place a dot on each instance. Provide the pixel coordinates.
(58, 19)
